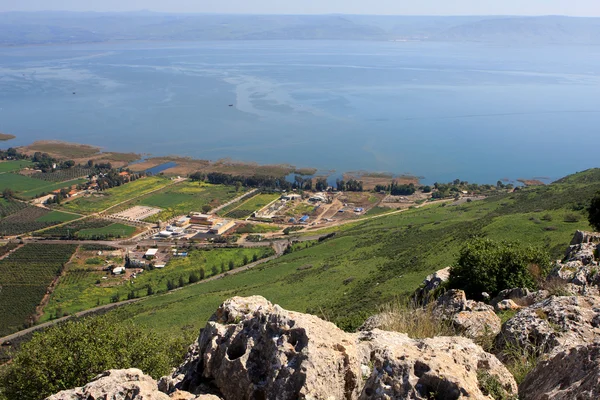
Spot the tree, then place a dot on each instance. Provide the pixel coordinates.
(202, 273)
(246, 260)
(206, 208)
(8, 193)
(215, 270)
(181, 281)
(487, 266)
(149, 290)
(594, 212)
(193, 278)
(73, 353)
(231, 265)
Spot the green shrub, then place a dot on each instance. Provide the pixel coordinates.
(594, 212)
(73, 353)
(488, 266)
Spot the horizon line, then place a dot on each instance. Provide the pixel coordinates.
(298, 14)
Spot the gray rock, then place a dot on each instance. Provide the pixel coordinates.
(431, 283)
(126, 384)
(557, 322)
(473, 319)
(572, 373)
(585, 237)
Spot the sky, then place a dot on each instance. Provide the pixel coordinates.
(379, 7)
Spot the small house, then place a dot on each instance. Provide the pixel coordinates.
(150, 254)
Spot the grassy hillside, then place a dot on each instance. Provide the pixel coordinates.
(347, 278)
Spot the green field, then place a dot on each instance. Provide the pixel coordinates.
(70, 230)
(116, 195)
(15, 165)
(185, 197)
(110, 231)
(29, 188)
(24, 278)
(371, 262)
(80, 288)
(57, 216)
(258, 228)
(245, 209)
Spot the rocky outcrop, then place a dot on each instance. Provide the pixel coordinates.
(473, 319)
(522, 297)
(431, 284)
(557, 322)
(126, 384)
(252, 349)
(580, 270)
(572, 373)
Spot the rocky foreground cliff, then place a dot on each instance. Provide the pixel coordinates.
(252, 349)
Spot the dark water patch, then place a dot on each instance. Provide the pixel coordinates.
(160, 168)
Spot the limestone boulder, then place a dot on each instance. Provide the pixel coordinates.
(572, 373)
(127, 384)
(507, 305)
(557, 322)
(473, 319)
(252, 349)
(445, 367)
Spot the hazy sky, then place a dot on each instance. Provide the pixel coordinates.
(407, 7)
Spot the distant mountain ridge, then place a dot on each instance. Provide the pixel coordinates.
(21, 28)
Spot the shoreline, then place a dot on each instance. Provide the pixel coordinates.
(186, 165)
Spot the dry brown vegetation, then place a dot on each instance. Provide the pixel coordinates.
(372, 179)
(417, 321)
(60, 150)
(80, 153)
(187, 166)
(6, 136)
(531, 182)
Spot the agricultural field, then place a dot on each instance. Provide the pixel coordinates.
(24, 277)
(58, 217)
(28, 188)
(8, 207)
(89, 228)
(16, 165)
(372, 262)
(185, 197)
(63, 174)
(258, 228)
(251, 205)
(23, 218)
(108, 232)
(223, 211)
(114, 196)
(84, 285)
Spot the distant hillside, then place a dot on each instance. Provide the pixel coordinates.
(19, 28)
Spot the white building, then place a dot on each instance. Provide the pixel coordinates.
(151, 253)
(118, 270)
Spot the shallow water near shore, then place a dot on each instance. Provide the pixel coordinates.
(438, 110)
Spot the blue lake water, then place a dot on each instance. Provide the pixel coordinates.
(441, 111)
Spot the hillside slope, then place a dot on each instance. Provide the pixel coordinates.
(348, 277)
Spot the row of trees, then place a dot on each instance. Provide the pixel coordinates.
(351, 185)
